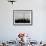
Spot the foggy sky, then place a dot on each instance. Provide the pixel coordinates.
(22, 14)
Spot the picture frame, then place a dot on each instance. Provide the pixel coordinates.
(22, 17)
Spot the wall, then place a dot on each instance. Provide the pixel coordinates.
(37, 31)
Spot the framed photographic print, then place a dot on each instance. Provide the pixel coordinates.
(22, 17)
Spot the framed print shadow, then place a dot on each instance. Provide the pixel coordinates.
(22, 17)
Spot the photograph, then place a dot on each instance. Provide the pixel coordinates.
(22, 17)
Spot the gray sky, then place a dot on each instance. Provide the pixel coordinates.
(22, 14)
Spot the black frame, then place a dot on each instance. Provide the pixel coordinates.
(24, 24)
